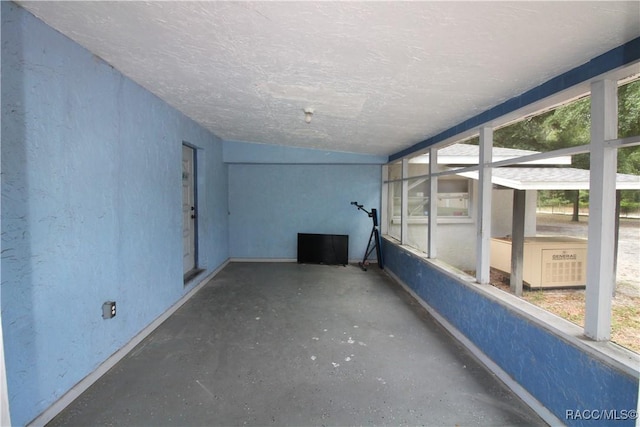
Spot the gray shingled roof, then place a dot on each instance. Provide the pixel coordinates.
(466, 154)
(551, 178)
(474, 150)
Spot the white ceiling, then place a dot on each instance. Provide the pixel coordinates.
(381, 76)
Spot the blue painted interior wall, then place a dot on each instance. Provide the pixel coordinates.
(91, 209)
(556, 373)
(252, 153)
(91, 195)
(270, 204)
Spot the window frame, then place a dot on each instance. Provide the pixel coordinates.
(595, 328)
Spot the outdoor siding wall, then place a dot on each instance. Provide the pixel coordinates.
(556, 373)
(454, 236)
(270, 204)
(91, 209)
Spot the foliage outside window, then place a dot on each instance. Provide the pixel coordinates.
(566, 126)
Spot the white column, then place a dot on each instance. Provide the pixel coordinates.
(517, 241)
(530, 219)
(384, 201)
(483, 238)
(602, 199)
(404, 212)
(5, 417)
(433, 202)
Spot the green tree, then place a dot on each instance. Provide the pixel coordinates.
(629, 125)
(569, 125)
(629, 110)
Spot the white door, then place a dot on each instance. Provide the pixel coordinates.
(188, 210)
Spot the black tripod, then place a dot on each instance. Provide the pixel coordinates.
(374, 239)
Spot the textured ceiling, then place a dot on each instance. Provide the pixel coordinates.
(380, 76)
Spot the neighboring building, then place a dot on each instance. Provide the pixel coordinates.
(457, 197)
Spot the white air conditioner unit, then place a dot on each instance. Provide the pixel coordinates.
(549, 261)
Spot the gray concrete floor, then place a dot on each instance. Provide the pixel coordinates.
(304, 345)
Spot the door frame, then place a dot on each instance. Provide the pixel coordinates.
(196, 267)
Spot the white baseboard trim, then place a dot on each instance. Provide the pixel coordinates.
(48, 414)
(351, 261)
(513, 385)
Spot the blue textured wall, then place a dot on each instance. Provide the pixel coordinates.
(247, 152)
(269, 204)
(91, 209)
(559, 375)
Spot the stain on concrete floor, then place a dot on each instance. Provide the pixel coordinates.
(300, 345)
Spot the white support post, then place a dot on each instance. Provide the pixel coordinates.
(384, 201)
(483, 238)
(530, 220)
(404, 212)
(602, 200)
(517, 241)
(5, 416)
(433, 202)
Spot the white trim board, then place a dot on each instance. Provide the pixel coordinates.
(513, 385)
(5, 416)
(351, 261)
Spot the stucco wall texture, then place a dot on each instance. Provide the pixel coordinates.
(91, 209)
(557, 374)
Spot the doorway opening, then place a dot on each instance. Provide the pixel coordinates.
(189, 214)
